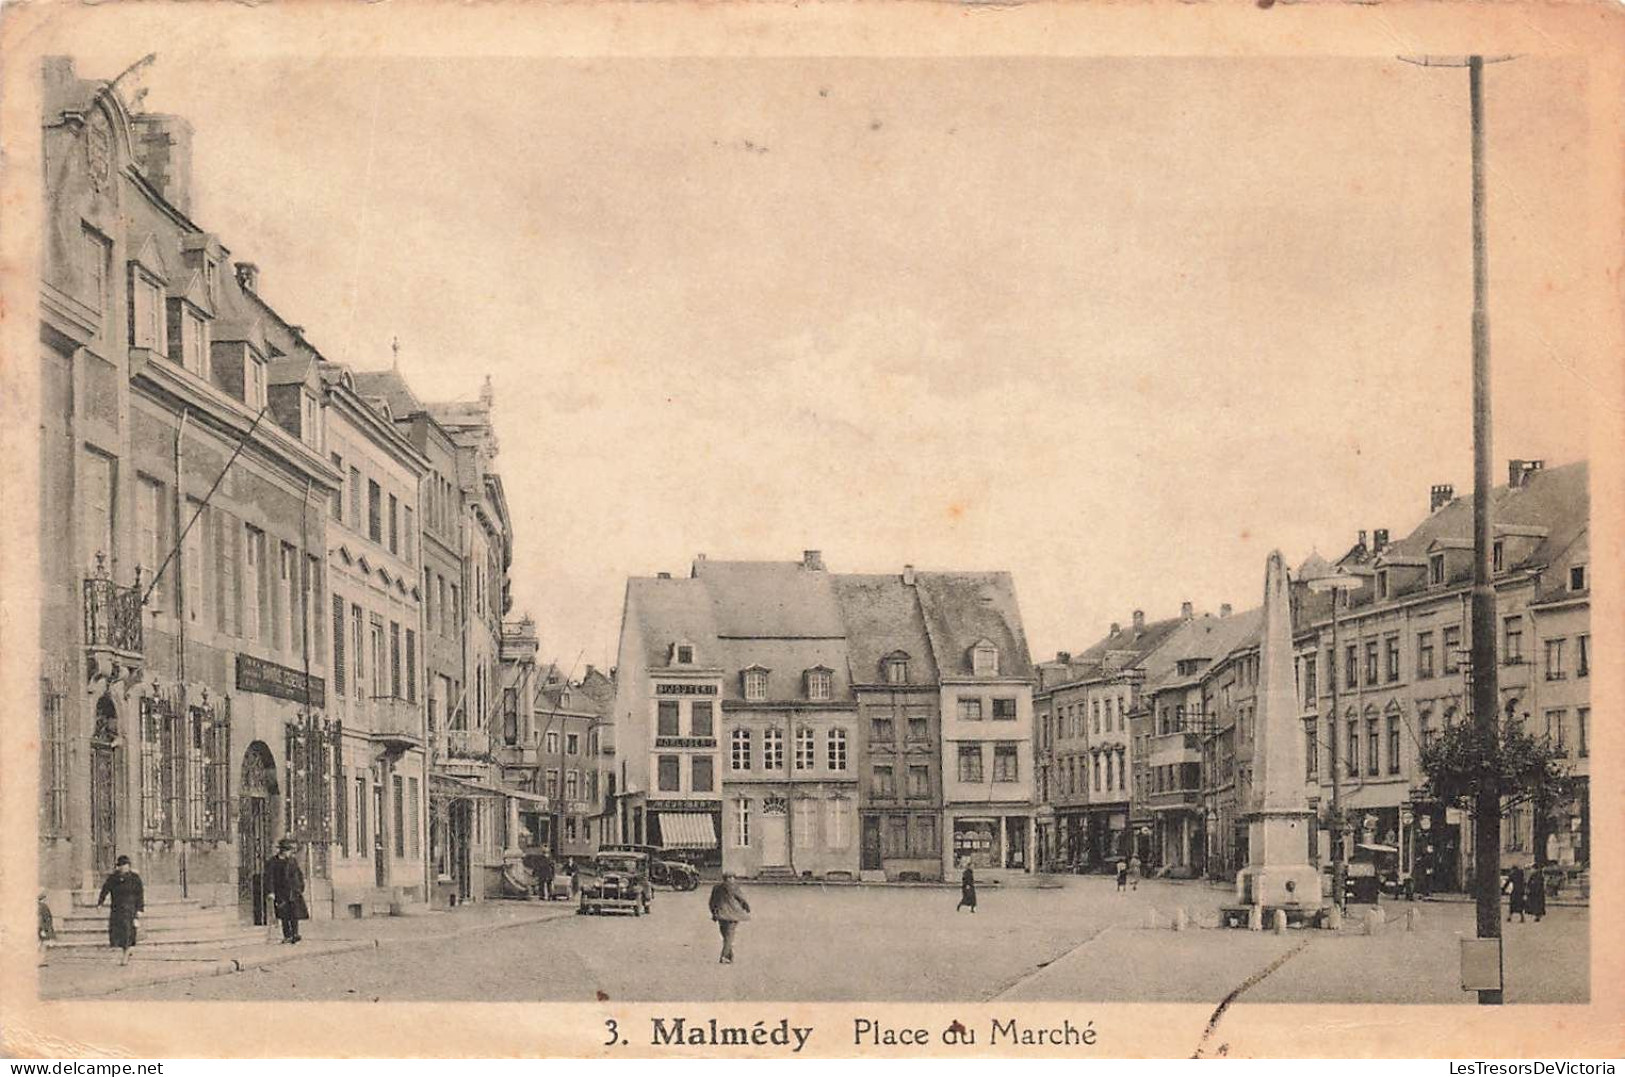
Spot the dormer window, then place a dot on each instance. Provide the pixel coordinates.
(1382, 584)
(755, 684)
(1436, 569)
(1498, 556)
(985, 659)
(895, 668)
(254, 382)
(820, 682)
(685, 654)
(146, 311)
(1577, 578)
(309, 420)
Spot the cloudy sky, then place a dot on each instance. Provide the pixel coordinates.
(1119, 326)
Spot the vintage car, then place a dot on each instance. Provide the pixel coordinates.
(664, 868)
(615, 881)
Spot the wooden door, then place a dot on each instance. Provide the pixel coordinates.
(871, 843)
(103, 806)
(775, 839)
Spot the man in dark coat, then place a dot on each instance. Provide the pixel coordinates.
(285, 880)
(128, 898)
(729, 909)
(967, 889)
(544, 879)
(1534, 894)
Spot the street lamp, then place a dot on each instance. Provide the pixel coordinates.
(1334, 584)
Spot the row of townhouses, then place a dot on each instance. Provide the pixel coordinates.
(274, 587)
(776, 718)
(1145, 740)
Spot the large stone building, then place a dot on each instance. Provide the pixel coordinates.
(1402, 674)
(739, 696)
(1085, 753)
(184, 483)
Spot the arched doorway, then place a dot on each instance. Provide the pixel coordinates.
(256, 813)
(104, 784)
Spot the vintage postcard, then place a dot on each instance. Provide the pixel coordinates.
(912, 530)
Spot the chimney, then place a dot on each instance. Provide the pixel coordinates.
(248, 276)
(591, 669)
(163, 147)
(662, 575)
(1116, 628)
(1379, 540)
(1185, 611)
(1064, 657)
(1518, 471)
(908, 575)
(699, 557)
(1224, 609)
(1362, 540)
(1139, 620)
(812, 560)
(1440, 496)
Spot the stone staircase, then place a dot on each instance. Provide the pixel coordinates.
(169, 924)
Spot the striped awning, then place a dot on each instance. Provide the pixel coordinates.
(687, 830)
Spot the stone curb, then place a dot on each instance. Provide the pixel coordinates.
(227, 966)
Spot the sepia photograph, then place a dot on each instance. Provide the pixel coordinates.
(698, 527)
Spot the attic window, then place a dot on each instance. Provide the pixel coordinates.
(1382, 582)
(254, 383)
(755, 684)
(1436, 569)
(985, 659)
(146, 311)
(1577, 578)
(896, 669)
(685, 654)
(1498, 556)
(819, 684)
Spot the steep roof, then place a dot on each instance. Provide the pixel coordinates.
(882, 616)
(1557, 499)
(388, 386)
(668, 611)
(771, 600)
(1205, 637)
(964, 608)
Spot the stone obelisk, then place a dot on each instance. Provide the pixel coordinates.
(1279, 821)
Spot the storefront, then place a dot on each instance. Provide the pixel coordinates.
(689, 828)
(996, 842)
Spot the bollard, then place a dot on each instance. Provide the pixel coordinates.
(1334, 919)
(1255, 918)
(1413, 916)
(1280, 921)
(1373, 920)
(1180, 920)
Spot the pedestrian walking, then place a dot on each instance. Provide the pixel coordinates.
(1515, 890)
(1534, 894)
(286, 881)
(1135, 870)
(1122, 874)
(967, 889)
(575, 879)
(729, 909)
(126, 898)
(544, 884)
(47, 927)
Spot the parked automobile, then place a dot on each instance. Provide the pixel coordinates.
(615, 881)
(664, 868)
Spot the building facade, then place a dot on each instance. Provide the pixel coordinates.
(184, 709)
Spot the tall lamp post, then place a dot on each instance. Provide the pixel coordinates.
(1485, 688)
(1335, 584)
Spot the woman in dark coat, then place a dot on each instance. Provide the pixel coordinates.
(1516, 891)
(1534, 894)
(967, 889)
(286, 881)
(128, 898)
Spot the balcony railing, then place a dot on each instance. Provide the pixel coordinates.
(112, 614)
(397, 720)
(468, 744)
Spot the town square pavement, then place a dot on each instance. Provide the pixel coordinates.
(1081, 940)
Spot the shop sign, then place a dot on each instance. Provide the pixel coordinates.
(268, 678)
(685, 689)
(575, 807)
(685, 805)
(685, 742)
